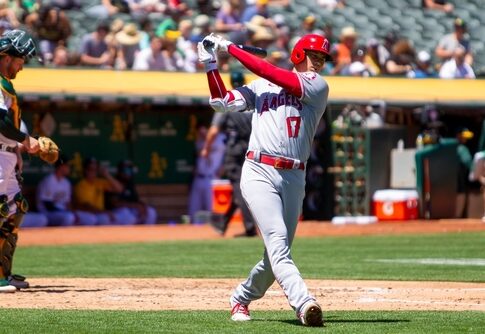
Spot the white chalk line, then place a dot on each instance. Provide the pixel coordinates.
(435, 261)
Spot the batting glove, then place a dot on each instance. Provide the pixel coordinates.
(222, 44)
(207, 57)
(218, 43)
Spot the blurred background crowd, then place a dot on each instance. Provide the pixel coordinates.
(416, 39)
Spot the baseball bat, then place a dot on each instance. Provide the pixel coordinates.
(260, 52)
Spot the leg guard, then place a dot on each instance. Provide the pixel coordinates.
(4, 208)
(8, 243)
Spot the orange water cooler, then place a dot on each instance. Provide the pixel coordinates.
(221, 198)
(396, 204)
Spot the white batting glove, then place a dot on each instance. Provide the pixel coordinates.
(222, 44)
(218, 43)
(207, 57)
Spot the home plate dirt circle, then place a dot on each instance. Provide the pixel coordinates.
(213, 294)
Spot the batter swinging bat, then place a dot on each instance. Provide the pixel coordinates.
(260, 52)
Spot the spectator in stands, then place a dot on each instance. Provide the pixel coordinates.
(151, 59)
(177, 9)
(457, 68)
(280, 3)
(60, 58)
(128, 45)
(108, 8)
(90, 191)
(278, 53)
(63, 57)
(67, 4)
(441, 5)
(114, 28)
(308, 26)
(186, 47)
(4, 26)
(260, 7)
(358, 67)
(372, 56)
(146, 31)
(448, 43)
(154, 8)
(384, 50)
(95, 51)
(402, 58)
(244, 36)
(342, 52)
(263, 37)
(129, 197)
(8, 14)
(331, 4)
(424, 67)
(202, 26)
(174, 60)
(54, 198)
(206, 169)
(328, 33)
(228, 17)
(51, 27)
(207, 7)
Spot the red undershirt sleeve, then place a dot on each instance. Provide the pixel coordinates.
(216, 85)
(279, 76)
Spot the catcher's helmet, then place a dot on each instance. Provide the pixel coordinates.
(17, 43)
(237, 79)
(312, 42)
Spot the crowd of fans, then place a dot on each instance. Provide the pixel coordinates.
(162, 35)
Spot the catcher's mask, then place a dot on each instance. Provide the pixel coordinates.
(17, 43)
(310, 42)
(237, 79)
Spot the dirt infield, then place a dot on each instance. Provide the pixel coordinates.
(198, 294)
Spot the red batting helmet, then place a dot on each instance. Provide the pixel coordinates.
(312, 42)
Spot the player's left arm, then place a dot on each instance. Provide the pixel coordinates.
(221, 99)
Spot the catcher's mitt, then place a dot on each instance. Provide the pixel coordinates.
(48, 150)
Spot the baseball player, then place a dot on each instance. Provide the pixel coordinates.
(15, 47)
(287, 107)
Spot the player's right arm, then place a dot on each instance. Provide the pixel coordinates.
(8, 129)
(281, 77)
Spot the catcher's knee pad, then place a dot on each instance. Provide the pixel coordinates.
(21, 202)
(4, 208)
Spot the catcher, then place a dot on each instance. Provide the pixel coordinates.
(15, 47)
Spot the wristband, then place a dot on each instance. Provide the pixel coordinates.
(210, 66)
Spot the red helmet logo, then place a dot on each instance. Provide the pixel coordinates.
(312, 42)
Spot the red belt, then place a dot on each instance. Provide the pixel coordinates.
(276, 162)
